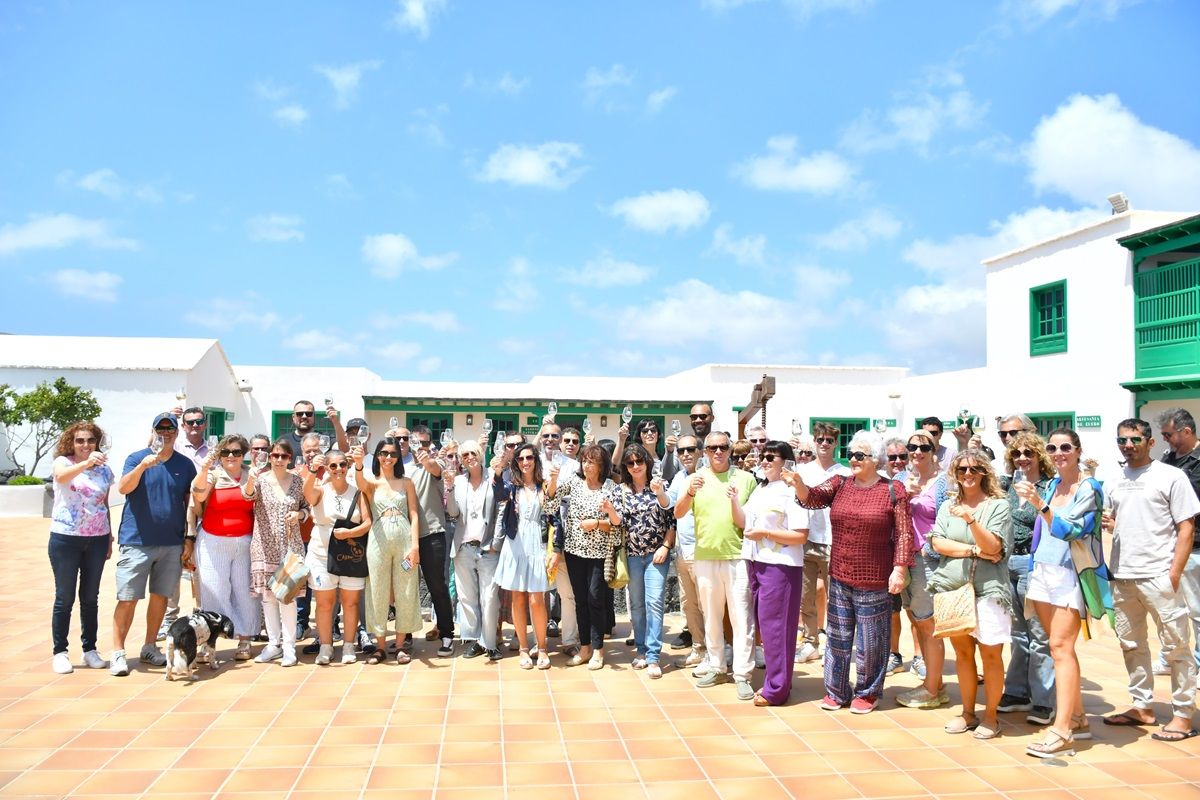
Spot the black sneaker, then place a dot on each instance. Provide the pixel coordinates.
(552, 629)
(447, 648)
(1010, 703)
(312, 649)
(1040, 715)
(494, 655)
(475, 650)
(683, 641)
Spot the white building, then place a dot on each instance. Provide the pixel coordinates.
(1084, 329)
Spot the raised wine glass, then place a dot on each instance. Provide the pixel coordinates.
(156, 444)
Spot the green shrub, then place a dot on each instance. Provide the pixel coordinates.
(25, 480)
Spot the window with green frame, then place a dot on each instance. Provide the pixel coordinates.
(216, 421)
(847, 427)
(281, 423)
(1052, 420)
(1048, 319)
(435, 422)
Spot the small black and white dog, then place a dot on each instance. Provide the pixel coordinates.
(197, 632)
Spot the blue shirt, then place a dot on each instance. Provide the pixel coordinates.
(685, 526)
(155, 512)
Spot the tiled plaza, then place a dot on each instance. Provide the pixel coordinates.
(451, 728)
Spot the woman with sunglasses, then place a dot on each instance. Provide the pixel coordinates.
(642, 504)
(773, 547)
(80, 539)
(973, 534)
(868, 561)
(472, 505)
(334, 501)
(279, 508)
(1029, 681)
(645, 433)
(393, 551)
(591, 531)
(927, 489)
(1068, 508)
(223, 511)
(522, 566)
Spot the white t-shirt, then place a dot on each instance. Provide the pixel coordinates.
(818, 522)
(774, 506)
(1148, 503)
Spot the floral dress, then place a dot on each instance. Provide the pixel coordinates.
(274, 537)
(583, 503)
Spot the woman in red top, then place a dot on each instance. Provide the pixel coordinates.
(225, 519)
(868, 561)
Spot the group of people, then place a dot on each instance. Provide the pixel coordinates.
(774, 543)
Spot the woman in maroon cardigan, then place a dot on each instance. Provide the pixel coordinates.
(868, 561)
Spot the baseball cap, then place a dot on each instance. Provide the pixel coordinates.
(165, 417)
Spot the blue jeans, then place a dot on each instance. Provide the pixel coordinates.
(647, 581)
(1031, 667)
(77, 561)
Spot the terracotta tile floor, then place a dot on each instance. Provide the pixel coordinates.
(451, 728)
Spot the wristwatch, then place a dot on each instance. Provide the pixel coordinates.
(1046, 508)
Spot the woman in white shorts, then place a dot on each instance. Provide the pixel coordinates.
(973, 533)
(1069, 510)
(333, 500)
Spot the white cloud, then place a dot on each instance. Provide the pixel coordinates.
(505, 84)
(345, 79)
(858, 233)
(745, 251)
(275, 228)
(605, 272)
(100, 286)
(399, 352)
(939, 103)
(659, 212)
(271, 91)
(515, 347)
(292, 115)
(784, 169)
(390, 254)
(818, 284)
(809, 8)
(1033, 12)
(226, 313)
(549, 165)
(339, 186)
(518, 292)
(108, 183)
(425, 124)
(1091, 147)
(656, 100)
(429, 365)
(599, 86)
(441, 321)
(414, 15)
(56, 231)
(321, 344)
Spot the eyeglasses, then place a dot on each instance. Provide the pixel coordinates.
(826, 440)
(304, 413)
(973, 469)
(526, 457)
(758, 441)
(769, 457)
(336, 465)
(636, 462)
(685, 450)
(897, 457)
(1026, 453)
(469, 454)
(401, 438)
(165, 429)
(1123, 440)
(738, 457)
(1006, 434)
(1065, 447)
(417, 443)
(260, 449)
(228, 452)
(195, 423)
(570, 441)
(283, 456)
(697, 416)
(924, 448)
(857, 456)
(651, 431)
(551, 436)
(88, 440)
(805, 454)
(510, 445)
(392, 454)
(716, 448)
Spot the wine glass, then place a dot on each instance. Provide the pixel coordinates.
(676, 428)
(364, 433)
(447, 437)
(487, 427)
(212, 441)
(105, 443)
(156, 444)
(552, 410)
(323, 441)
(627, 414)
(789, 466)
(587, 427)
(329, 399)
(797, 428)
(880, 426)
(260, 459)
(181, 395)
(1019, 477)
(498, 448)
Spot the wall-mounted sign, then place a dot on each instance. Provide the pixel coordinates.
(1087, 422)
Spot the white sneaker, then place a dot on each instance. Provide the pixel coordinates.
(269, 653)
(638, 663)
(93, 660)
(62, 663)
(760, 660)
(325, 654)
(289, 657)
(702, 669)
(654, 671)
(348, 656)
(695, 657)
(807, 652)
(119, 667)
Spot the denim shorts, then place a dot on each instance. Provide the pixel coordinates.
(917, 598)
(159, 566)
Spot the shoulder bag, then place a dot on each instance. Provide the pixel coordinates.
(347, 557)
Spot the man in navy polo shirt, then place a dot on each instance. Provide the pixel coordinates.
(153, 546)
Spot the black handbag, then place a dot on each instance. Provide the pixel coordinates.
(347, 557)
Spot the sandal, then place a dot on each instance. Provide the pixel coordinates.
(402, 658)
(543, 660)
(376, 657)
(526, 662)
(986, 732)
(1080, 729)
(960, 724)
(1054, 745)
(761, 701)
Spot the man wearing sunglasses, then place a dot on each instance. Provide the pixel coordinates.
(153, 548)
(304, 422)
(1152, 519)
(1006, 428)
(193, 444)
(688, 451)
(714, 495)
(1178, 429)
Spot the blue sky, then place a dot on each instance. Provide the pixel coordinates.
(444, 189)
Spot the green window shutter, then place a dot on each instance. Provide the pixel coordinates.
(1053, 419)
(1048, 319)
(1166, 320)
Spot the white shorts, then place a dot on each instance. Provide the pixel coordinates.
(321, 581)
(1058, 586)
(993, 623)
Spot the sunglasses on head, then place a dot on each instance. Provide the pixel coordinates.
(687, 449)
(304, 413)
(717, 448)
(229, 452)
(897, 457)
(195, 423)
(973, 469)
(858, 456)
(1065, 447)
(1026, 453)
(924, 448)
(1134, 440)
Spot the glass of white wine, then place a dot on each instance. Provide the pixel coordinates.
(156, 444)
(627, 414)
(487, 427)
(552, 410)
(676, 428)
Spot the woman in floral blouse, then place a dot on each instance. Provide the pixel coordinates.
(643, 505)
(591, 531)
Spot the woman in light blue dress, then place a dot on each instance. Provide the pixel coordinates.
(522, 566)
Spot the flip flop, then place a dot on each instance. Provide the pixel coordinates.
(1125, 720)
(1165, 735)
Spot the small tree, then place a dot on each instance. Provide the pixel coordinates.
(38, 417)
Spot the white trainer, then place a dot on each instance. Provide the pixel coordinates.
(62, 663)
(92, 660)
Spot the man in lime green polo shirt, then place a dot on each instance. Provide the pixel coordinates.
(715, 495)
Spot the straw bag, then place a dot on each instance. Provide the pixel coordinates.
(954, 611)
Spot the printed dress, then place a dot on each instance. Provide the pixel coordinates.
(274, 537)
(522, 564)
(387, 547)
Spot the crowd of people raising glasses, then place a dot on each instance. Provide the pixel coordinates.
(776, 544)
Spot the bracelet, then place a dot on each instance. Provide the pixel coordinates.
(358, 468)
(971, 521)
(691, 493)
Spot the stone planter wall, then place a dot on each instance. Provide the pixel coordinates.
(25, 501)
